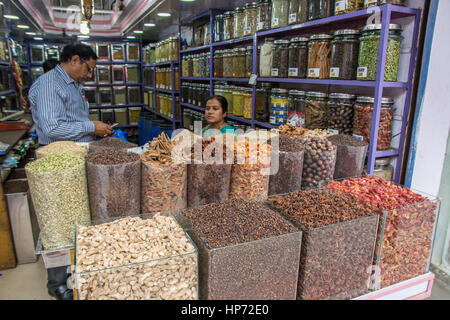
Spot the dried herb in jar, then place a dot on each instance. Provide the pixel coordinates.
(280, 62)
(316, 110)
(298, 58)
(344, 55)
(346, 6)
(319, 56)
(298, 11)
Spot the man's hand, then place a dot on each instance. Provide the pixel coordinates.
(102, 129)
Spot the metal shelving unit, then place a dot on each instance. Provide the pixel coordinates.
(388, 13)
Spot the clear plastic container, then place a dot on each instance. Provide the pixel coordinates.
(319, 56)
(107, 116)
(239, 21)
(319, 9)
(351, 155)
(341, 112)
(91, 95)
(133, 74)
(228, 25)
(363, 121)
(298, 58)
(266, 57)
(264, 15)
(219, 28)
(118, 74)
(134, 115)
(280, 59)
(316, 110)
(251, 12)
(298, 11)
(383, 169)
(103, 74)
(105, 96)
(368, 52)
(133, 52)
(118, 52)
(120, 95)
(280, 13)
(134, 95)
(344, 54)
(103, 52)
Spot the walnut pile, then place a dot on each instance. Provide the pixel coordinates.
(136, 258)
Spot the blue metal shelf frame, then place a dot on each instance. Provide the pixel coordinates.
(388, 12)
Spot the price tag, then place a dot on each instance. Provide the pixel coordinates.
(259, 26)
(293, 72)
(226, 36)
(274, 72)
(333, 131)
(362, 72)
(292, 18)
(334, 72)
(361, 138)
(247, 31)
(314, 72)
(273, 120)
(252, 80)
(341, 5)
(369, 3)
(275, 22)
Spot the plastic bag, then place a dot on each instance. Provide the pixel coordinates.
(207, 183)
(114, 190)
(163, 187)
(123, 135)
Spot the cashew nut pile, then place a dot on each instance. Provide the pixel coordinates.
(136, 258)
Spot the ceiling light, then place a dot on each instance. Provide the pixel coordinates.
(7, 16)
(187, 0)
(38, 38)
(83, 37)
(30, 33)
(164, 14)
(138, 31)
(131, 37)
(149, 25)
(84, 27)
(22, 26)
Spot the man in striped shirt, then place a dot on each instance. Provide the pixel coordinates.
(57, 102)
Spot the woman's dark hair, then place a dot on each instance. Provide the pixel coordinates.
(83, 51)
(222, 100)
(49, 65)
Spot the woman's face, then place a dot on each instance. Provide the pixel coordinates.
(214, 112)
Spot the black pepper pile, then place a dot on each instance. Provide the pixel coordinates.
(290, 143)
(346, 140)
(236, 221)
(110, 156)
(115, 143)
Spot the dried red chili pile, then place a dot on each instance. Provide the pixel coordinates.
(378, 193)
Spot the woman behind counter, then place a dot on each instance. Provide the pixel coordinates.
(215, 113)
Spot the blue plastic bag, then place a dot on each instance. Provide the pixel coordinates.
(123, 135)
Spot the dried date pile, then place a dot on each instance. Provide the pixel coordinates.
(403, 248)
(136, 258)
(246, 251)
(338, 242)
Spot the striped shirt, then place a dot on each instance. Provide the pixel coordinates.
(59, 109)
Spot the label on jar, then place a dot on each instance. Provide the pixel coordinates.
(370, 3)
(235, 33)
(259, 26)
(275, 22)
(334, 72)
(274, 72)
(362, 72)
(292, 18)
(293, 72)
(252, 79)
(247, 30)
(314, 72)
(273, 120)
(341, 5)
(226, 36)
(333, 131)
(360, 138)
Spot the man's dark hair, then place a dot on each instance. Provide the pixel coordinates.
(83, 51)
(222, 100)
(49, 65)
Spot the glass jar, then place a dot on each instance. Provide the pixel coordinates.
(218, 64)
(190, 66)
(264, 15)
(279, 104)
(196, 66)
(374, 3)
(153, 53)
(316, 110)
(228, 25)
(207, 64)
(280, 60)
(363, 121)
(202, 58)
(262, 102)
(344, 54)
(247, 113)
(319, 56)
(228, 94)
(298, 58)
(341, 112)
(298, 11)
(173, 49)
(368, 52)
(184, 93)
(266, 57)
(280, 13)
(238, 102)
(347, 6)
(249, 62)
(239, 20)
(239, 58)
(218, 28)
(383, 169)
(184, 67)
(319, 9)
(228, 64)
(176, 78)
(251, 11)
(219, 90)
(297, 107)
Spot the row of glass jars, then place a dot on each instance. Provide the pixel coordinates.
(164, 78)
(164, 105)
(167, 50)
(346, 55)
(195, 93)
(150, 53)
(196, 65)
(233, 63)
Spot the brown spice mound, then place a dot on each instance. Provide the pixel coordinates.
(115, 143)
(346, 140)
(110, 156)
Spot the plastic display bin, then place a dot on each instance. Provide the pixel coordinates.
(134, 114)
(94, 115)
(54, 258)
(121, 116)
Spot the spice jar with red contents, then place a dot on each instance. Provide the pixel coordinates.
(363, 120)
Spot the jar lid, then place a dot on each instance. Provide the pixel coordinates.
(263, 1)
(228, 14)
(321, 36)
(250, 48)
(370, 27)
(316, 94)
(297, 92)
(341, 96)
(382, 162)
(346, 32)
(251, 5)
(242, 50)
(239, 10)
(248, 91)
(300, 39)
(219, 17)
(372, 100)
(283, 91)
(270, 39)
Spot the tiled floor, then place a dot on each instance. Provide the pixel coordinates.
(28, 282)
